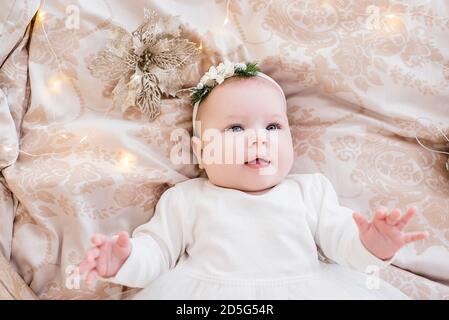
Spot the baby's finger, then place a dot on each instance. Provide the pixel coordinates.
(394, 217)
(415, 236)
(98, 239)
(380, 214)
(361, 221)
(91, 277)
(103, 262)
(86, 266)
(92, 254)
(123, 239)
(406, 218)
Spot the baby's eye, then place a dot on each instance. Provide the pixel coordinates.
(235, 128)
(273, 126)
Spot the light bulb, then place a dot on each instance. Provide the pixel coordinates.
(125, 161)
(55, 82)
(40, 15)
(392, 23)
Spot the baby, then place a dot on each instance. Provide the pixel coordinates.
(250, 230)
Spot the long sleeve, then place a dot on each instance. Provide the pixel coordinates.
(156, 245)
(333, 227)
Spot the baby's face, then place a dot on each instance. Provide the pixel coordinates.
(246, 142)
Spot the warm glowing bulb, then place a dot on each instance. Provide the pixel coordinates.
(64, 136)
(55, 82)
(226, 21)
(40, 15)
(125, 161)
(55, 85)
(201, 46)
(392, 23)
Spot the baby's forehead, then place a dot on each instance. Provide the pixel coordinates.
(251, 86)
(238, 95)
(255, 82)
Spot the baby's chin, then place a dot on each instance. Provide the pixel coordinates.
(252, 183)
(259, 184)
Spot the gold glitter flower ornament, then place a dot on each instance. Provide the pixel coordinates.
(145, 64)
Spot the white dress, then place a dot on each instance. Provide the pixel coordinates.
(209, 242)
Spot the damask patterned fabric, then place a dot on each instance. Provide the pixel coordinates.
(361, 79)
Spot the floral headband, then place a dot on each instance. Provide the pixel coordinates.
(216, 75)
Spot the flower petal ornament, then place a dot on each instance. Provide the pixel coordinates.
(145, 64)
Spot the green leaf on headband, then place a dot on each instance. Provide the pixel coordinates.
(250, 71)
(199, 94)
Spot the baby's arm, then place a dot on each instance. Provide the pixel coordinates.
(154, 248)
(347, 238)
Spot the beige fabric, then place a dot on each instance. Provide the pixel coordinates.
(414, 286)
(357, 74)
(14, 19)
(14, 93)
(12, 285)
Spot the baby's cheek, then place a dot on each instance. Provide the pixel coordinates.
(234, 149)
(281, 147)
(274, 142)
(286, 153)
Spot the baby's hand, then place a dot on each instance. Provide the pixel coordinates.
(384, 235)
(106, 256)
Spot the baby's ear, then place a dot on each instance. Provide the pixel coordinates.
(196, 147)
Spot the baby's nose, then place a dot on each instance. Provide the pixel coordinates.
(257, 137)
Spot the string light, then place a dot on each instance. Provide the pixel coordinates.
(55, 82)
(226, 20)
(57, 79)
(222, 35)
(40, 16)
(392, 22)
(125, 160)
(64, 136)
(55, 85)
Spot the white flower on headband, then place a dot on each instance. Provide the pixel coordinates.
(216, 76)
(241, 66)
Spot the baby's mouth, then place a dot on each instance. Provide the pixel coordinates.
(258, 163)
